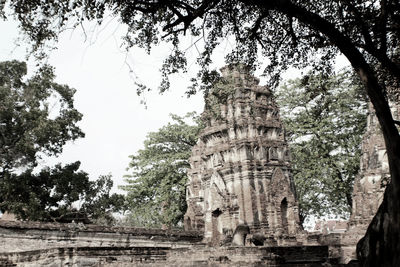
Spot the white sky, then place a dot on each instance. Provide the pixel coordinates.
(114, 121)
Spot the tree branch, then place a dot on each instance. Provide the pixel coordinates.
(347, 47)
(379, 53)
(192, 14)
(291, 31)
(257, 24)
(381, 27)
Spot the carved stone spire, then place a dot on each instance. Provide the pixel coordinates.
(240, 168)
(369, 185)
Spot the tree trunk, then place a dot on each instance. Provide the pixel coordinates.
(380, 245)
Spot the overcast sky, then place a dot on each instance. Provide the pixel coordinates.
(114, 120)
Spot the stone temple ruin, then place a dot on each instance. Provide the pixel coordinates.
(240, 175)
(374, 173)
(242, 208)
(369, 184)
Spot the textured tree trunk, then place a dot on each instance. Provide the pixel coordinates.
(381, 243)
(380, 246)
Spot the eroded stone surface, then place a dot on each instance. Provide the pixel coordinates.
(29, 244)
(27, 236)
(369, 184)
(240, 168)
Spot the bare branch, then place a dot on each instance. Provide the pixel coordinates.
(291, 31)
(190, 17)
(257, 24)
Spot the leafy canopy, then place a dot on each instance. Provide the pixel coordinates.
(156, 186)
(37, 115)
(287, 32)
(325, 119)
(61, 193)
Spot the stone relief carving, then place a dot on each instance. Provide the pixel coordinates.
(235, 158)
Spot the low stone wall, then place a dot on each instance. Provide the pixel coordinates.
(251, 256)
(155, 256)
(29, 244)
(342, 246)
(25, 236)
(87, 256)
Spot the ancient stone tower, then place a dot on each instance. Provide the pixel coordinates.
(369, 185)
(240, 168)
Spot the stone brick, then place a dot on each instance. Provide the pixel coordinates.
(240, 168)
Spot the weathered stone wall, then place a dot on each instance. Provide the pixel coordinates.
(155, 256)
(87, 256)
(31, 244)
(25, 236)
(54, 244)
(41, 244)
(369, 184)
(252, 256)
(240, 168)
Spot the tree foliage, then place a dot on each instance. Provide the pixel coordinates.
(37, 116)
(287, 32)
(61, 193)
(325, 118)
(156, 187)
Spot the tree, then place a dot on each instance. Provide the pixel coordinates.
(325, 118)
(37, 116)
(61, 193)
(288, 32)
(99, 204)
(156, 187)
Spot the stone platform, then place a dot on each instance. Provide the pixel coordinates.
(31, 244)
(164, 256)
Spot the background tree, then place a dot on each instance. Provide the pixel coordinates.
(37, 116)
(61, 193)
(99, 204)
(156, 187)
(325, 119)
(288, 32)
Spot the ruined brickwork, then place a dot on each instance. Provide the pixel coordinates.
(369, 184)
(32, 244)
(56, 244)
(17, 236)
(240, 168)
